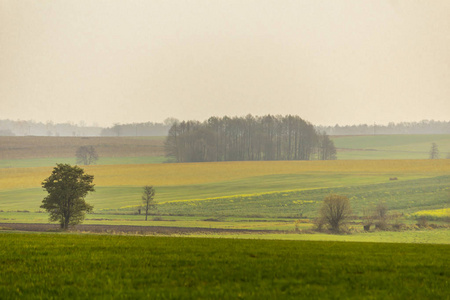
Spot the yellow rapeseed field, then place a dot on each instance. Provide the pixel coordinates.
(198, 173)
(439, 213)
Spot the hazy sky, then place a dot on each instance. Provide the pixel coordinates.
(329, 62)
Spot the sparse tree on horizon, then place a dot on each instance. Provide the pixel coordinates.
(147, 198)
(67, 187)
(86, 155)
(434, 151)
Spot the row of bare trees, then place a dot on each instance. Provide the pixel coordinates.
(248, 138)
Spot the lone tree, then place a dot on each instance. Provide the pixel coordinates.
(335, 211)
(86, 155)
(67, 187)
(147, 198)
(434, 151)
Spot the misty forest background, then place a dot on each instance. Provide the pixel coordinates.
(33, 128)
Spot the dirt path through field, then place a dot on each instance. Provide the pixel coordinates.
(145, 230)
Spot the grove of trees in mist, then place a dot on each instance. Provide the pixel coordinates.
(247, 138)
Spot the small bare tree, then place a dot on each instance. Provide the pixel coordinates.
(381, 216)
(86, 155)
(147, 198)
(434, 151)
(335, 211)
(367, 218)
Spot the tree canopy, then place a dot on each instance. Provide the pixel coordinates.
(67, 187)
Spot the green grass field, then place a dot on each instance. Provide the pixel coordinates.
(435, 236)
(56, 266)
(230, 191)
(390, 146)
(269, 189)
(292, 263)
(250, 195)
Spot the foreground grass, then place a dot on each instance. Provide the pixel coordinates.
(426, 236)
(88, 266)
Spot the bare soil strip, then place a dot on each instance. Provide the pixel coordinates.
(129, 229)
(45, 147)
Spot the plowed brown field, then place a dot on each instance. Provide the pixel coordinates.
(45, 147)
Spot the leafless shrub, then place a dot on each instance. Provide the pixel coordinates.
(86, 155)
(381, 225)
(335, 212)
(367, 219)
(381, 216)
(398, 226)
(422, 222)
(319, 224)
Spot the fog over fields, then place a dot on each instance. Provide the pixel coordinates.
(330, 62)
(224, 149)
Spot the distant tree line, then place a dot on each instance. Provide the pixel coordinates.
(422, 127)
(247, 138)
(32, 128)
(139, 129)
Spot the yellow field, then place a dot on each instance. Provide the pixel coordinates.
(196, 173)
(439, 213)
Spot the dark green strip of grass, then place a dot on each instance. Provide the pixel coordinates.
(65, 266)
